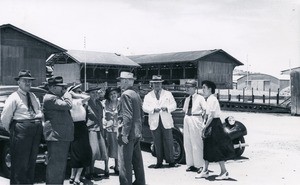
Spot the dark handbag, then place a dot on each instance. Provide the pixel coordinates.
(207, 132)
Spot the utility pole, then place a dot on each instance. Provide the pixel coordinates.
(84, 47)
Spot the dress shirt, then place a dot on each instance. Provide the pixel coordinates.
(199, 104)
(16, 108)
(213, 106)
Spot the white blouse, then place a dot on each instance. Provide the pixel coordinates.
(213, 106)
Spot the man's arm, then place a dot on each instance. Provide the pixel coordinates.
(127, 114)
(8, 111)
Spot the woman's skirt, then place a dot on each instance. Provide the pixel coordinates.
(112, 144)
(80, 150)
(97, 142)
(218, 146)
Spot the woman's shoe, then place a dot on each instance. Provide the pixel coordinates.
(223, 176)
(71, 181)
(203, 174)
(76, 183)
(116, 171)
(106, 174)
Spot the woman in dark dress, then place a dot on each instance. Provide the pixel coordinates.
(217, 144)
(80, 150)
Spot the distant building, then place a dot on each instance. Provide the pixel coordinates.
(22, 50)
(100, 66)
(215, 65)
(288, 71)
(259, 82)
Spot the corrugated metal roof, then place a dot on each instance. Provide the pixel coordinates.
(187, 56)
(33, 36)
(103, 58)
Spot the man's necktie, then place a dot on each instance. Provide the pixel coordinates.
(157, 95)
(30, 106)
(190, 106)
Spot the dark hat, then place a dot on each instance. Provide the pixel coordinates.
(24, 74)
(73, 87)
(191, 83)
(56, 80)
(92, 89)
(126, 75)
(109, 90)
(156, 78)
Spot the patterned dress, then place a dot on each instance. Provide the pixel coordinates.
(110, 123)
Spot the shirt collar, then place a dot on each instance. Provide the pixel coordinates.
(22, 92)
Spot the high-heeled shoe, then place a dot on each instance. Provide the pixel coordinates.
(76, 182)
(116, 171)
(106, 174)
(71, 181)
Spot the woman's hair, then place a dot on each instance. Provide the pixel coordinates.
(109, 90)
(210, 84)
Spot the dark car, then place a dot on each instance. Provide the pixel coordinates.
(5, 163)
(178, 116)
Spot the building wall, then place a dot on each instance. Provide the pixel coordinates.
(259, 82)
(284, 84)
(70, 72)
(20, 51)
(218, 72)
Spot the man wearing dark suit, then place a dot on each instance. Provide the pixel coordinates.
(129, 133)
(58, 129)
(21, 116)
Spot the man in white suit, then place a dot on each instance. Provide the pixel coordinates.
(159, 104)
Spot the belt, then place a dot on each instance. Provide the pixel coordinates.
(194, 114)
(28, 121)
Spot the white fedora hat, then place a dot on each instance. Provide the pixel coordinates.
(156, 79)
(126, 75)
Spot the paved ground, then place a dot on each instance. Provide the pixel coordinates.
(272, 158)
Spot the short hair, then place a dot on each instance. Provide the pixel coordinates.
(209, 84)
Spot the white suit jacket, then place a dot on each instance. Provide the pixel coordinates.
(166, 99)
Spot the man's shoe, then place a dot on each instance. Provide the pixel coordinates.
(191, 169)
(159, 165)
(223, 176)
(172, 165)
(203, 174)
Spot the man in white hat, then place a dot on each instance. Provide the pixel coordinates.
(159, 104)
(130, 132)
(21, 116)
(194, 108)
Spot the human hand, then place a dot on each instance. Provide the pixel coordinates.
(157, 110)
(39, 115)
(164, 109)
(125, 139)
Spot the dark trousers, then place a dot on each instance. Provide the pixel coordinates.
(163, 142)
(25, 138)
(57, 161)
(130, 156)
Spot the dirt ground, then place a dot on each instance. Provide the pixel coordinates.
(273, 157)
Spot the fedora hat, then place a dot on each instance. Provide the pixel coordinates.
(56, 80)
(156, 79)
(92, 89)
(24, 74)
(126, 75)
(73, 87)
(191, 83)
(109, 90)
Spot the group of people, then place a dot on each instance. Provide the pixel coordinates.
(80, 125)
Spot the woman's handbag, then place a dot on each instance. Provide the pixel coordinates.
(206, 132)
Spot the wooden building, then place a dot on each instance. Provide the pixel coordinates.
(100, 66)
(22, 50)
(215, 65)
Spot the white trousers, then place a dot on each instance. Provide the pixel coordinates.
(192, 140)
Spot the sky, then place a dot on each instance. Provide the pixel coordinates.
(262, 34)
